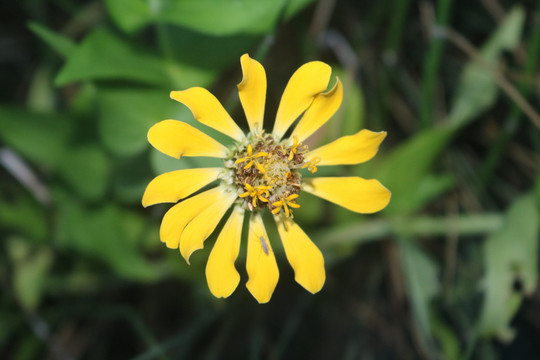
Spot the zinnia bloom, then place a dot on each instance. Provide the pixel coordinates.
(260, 171)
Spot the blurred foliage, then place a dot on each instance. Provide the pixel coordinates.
(448, 271)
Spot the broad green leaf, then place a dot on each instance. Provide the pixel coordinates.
(125, 115)
(477, 89)
(509, 255)
(103, 233)
(218, 17)
(206, 51)
(405, 171)
(58, 43)
(103, 56)
(294, 6)
(85, 168)
(421, 278)
(40, 137)
(22, 214)
(30, 271)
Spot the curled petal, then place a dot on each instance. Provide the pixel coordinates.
(353, 193)
(198, 230)
(207, 109)
(303, 255)
(252, 92)
(221, 274)
(324, 106)
(176, 139)
(261, 264)
(304, 85)
(353, 149)
(176, 219)
(175, 185)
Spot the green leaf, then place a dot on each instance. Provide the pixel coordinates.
(30, 272)
(206, 51)
(422, 282)
(218, 17)
(509, 255)
(108, 234)
(22, 214)
(86, 168)
(405, 171)
(477, 90)
(59, 43)
(103, 56)
(40, 137)
(125, 115)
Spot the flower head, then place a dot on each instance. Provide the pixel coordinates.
(261, 171)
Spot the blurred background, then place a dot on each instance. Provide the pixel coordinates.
(448, 271)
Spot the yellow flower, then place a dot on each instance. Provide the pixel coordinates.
(261, 170)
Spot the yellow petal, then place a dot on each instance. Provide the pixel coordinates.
(353, 193)
(176, 219)
(353, 149)
(306, 83)
(208, 110)
(203, 225)
(324, 106)
(252, 92)
(175, 185)
(176, 139)
(261, 264)
(303, 255)
(221, 274)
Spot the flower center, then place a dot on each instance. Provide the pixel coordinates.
(267, 174)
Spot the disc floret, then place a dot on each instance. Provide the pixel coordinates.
(266, 173)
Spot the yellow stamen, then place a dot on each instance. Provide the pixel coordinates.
(311, 164)
(250, 164)
(260, 167)
(294, 148)
(291, 197)
(250, 150)
(293, 205)
(278, 203)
